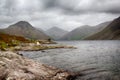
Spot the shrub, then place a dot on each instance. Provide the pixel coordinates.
(3, 45)
(14, 43)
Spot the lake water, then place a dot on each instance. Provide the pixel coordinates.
(95, 60)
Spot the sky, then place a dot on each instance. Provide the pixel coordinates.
(65, 14)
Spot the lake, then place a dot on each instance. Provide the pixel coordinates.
(95, 60)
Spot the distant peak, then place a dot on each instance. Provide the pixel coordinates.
(56, 29)
(23, 24)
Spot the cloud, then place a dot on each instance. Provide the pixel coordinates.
(66, 14)
(83, 6)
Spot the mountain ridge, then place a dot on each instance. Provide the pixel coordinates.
(111, 32)
(84, 31)
(24, 29)
(56, 33)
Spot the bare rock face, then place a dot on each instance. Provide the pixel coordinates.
(16, 67)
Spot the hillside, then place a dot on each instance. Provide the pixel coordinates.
(56, 33)
(111, 32)
(26, 30)
(77, 33)
(9, 38)
(84, 31)
(101, 26)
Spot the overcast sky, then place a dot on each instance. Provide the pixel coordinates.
(66, 14)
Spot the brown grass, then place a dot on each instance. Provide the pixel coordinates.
(9, 38)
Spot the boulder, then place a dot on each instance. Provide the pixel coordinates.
(16, 67)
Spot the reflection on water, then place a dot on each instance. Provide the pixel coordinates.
(95, 60)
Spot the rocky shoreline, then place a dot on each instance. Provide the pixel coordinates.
(16, 67)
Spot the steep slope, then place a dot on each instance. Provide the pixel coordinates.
(84, 31)
(111, 32)
(56, 33)
(25, 29)
(101, 26)
(77, 33)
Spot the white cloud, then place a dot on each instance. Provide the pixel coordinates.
(66, 14)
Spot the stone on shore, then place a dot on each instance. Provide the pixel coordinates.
(16, 67)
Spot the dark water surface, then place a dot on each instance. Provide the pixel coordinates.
(95, 60)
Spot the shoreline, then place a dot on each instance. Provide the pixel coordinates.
(21, 68)
(35, 47)
(16, 66)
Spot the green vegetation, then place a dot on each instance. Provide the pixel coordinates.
(3, 45)
(14, 43)
(7, 41)
(76, 38)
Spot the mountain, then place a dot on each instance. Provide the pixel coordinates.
(101, 26)
(84, 31)
(111, 32)
(77, 33)
(26, 30)
(56, 33)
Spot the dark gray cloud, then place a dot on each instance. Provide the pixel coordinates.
(67, 14)
(83, 6)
